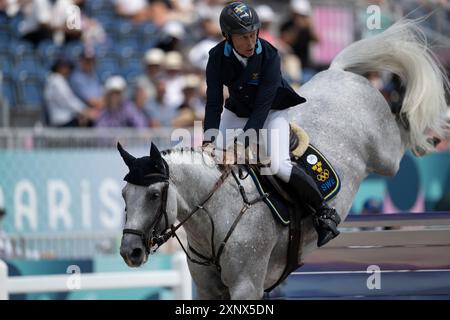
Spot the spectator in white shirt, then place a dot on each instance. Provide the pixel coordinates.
(174, 79)
(64, 108)
(37, 24)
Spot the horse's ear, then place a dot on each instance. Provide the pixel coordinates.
(128, 158)
(154, 152)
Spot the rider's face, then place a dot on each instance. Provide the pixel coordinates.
(244, 43)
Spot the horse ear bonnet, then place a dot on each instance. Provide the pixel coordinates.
(146, 170)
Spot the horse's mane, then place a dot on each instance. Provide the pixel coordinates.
(191, 155)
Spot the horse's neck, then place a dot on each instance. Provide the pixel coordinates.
(193, 180)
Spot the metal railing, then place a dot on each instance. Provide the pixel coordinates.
(178, 279)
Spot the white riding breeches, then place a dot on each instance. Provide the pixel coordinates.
(276, 144)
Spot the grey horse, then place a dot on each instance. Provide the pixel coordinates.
(345, 117)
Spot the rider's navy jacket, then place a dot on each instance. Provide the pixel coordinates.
(254, 90)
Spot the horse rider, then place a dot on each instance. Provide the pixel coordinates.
(258, 99)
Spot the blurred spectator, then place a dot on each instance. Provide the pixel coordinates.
(85, 82)
(135, 10)
(292, 70)
(192, 107)
(211, 8)
(266, 16)
(182, 10)
(64, 108)
(118, 111)
(174, 80)
(375, 80)
(298, 32)
(37, 23)
(159, 12)
(65, 19)
(145, 87)
(10, 7)
(157, 110)
(172, 34)
(199, 53)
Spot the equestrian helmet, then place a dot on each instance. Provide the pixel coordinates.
(237, 17)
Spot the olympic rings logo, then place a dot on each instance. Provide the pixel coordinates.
(324, 175)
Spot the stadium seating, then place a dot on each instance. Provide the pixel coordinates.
(26, 68)
(9, 91)
(30, 93)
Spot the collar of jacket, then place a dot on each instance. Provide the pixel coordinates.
(228, 48)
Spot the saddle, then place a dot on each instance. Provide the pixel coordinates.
(285, 209)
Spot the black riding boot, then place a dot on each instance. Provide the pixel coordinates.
(325, 218)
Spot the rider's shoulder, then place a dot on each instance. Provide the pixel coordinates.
(217, 49)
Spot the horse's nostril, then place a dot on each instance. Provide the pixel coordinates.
(136, 253)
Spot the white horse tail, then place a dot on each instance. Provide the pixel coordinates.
(402, 49)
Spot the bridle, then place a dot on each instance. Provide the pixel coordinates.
(153, 242)
(162, 213)
(156, 240)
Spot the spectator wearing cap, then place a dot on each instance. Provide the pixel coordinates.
(298, 32)
(85, 82)
(172, 34)
(174, 79)
(192, 107)
(145, 87)
(118, 111)
(64, 108)
(135, 10)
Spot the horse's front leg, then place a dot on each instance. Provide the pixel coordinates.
(244, 274)
(208, 283)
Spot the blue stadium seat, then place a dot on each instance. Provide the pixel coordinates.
(131, 65)
(20, 49)
(48, 48)
(73, 50)
(105, 51)
(31, 93)
(125, 52)
(9, 91)
(14, 24)
(126, 29)
(131, 77)
(5, 36)
(107, 66)
(130, 42)
(6, 64)
(29, 64)
(105, 18)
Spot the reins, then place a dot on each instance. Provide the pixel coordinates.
(155, 241)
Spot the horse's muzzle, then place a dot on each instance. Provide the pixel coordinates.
(133, 251)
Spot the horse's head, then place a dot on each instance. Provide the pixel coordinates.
(148, 204)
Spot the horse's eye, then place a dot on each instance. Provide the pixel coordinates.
(154, 195)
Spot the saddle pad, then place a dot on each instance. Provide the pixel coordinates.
(317, 166)
(274, 201)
